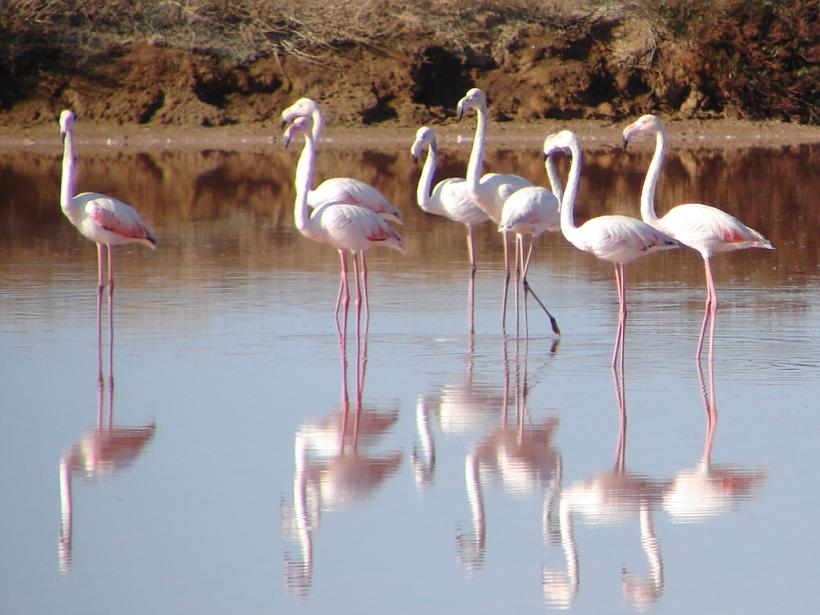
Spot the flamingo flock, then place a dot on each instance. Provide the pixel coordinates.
(353, 216)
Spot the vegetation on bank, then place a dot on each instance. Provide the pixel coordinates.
(755, 59)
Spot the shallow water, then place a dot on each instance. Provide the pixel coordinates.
(248, 462)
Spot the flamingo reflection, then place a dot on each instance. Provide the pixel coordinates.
(519, 454)
(102, 451)
(612, 497)
(708, 490)
(336, 467)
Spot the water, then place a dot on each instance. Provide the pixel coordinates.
(246, 462)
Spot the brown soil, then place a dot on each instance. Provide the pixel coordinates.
(603, 72)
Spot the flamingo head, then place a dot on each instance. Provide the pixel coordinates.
(301, 108)
(474, 98)
(66, 121)
(559, 142)
(424, 137)
(299, 126)
(644, 123)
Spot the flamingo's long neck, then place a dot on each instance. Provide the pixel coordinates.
(555, 179)
(651, 181)
(426, 180)
(474, 166)
(318, 123)
(67, 179)
(304, 173)
(568, 227)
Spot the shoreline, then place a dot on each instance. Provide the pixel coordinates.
(595, 135)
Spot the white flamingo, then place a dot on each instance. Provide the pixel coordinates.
(531, 211)
(103, 219)
(341, 189)
(346, 227)
(613, 238)
(491, 189)
(449, 198)
(704, 228)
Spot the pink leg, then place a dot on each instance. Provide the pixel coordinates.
(519, 250)
(528, 290)
(110, 319)
(471, 249)
(344, 293)
(506, 283)
(620, 286)
(342, 282)
(709, 310)
(101, 266)
(359, 299)
(364, 287)
(471, 282)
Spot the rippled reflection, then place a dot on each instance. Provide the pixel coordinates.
(337, 466)
(517, 453)
(101, 451)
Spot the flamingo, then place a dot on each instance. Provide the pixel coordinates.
(491, 189)
(531, 211)
(613, 238)
(450, 198)
(104, 220)
(704, 228)
(341, 189)
(346, 227)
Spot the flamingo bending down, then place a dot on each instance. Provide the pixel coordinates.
(613, 238)
(346, 227)
(341, 189)
(703, 228)
(491, 189)
(449, 198)
(104, 220)
(531, 211)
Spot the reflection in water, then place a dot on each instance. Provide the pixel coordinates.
(519, 454)
(335, 467)
(708, 490)
(101, 451)
(611, 497)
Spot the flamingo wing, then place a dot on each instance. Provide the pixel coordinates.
(119, 220)
(709, 229)
(621, 239)
(354, 192)
(352, 227)
(453, 197)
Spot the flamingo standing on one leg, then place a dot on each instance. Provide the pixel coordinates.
(613, 238)
(104, 220)
(449, 198)
(704, 228)
(531, 211)
(341, 189)
(491, 189)
(346, 227)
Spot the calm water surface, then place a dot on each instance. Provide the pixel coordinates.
(249, 462)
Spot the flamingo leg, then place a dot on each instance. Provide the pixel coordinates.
(620, 286)
(344, 293)
(471, 282)
(101, 265)
(364, 287)
(506, 284)
(471, 249)
(359, 299)
(528, 289)
(518, 251)
(709, 311)
(110, 318)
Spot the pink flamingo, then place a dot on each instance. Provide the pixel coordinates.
(703, 228)
(613, 238)
(531, 211)
(104, 220)
(449, 198)
(346, 227)
(490, 190)
(341, 189)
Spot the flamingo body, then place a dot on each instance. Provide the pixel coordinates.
(109, 221)
(530, 211)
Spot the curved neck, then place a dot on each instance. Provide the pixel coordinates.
(555, 179)
(477, 153)
(568, 227)
(67, 177)
(318, 124)
(426, 180)
(302, 179)
(651, 181)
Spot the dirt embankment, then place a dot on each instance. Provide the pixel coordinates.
(604, 65)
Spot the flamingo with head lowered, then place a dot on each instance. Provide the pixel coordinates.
(341, 189)
(101, 218)
(613, 238)
(490, 190)
(704, 228)
(345, 226)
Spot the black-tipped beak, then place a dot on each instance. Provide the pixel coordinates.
(283, 123)
(286, 141)
(625, 143)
